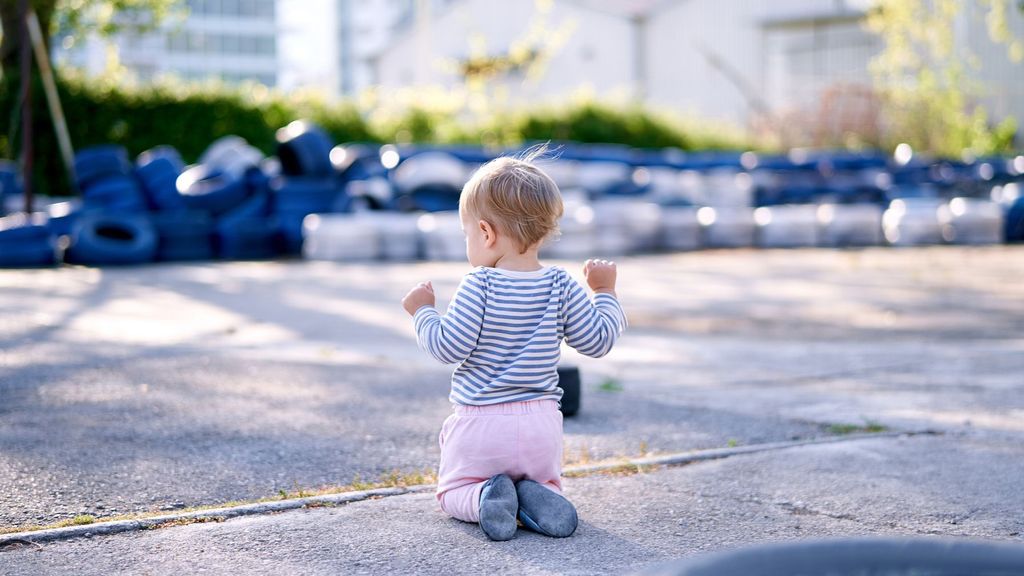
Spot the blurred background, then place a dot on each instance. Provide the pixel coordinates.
(673, 102)
(943, 75)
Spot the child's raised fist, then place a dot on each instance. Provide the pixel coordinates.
(600, 275)
(421, 295)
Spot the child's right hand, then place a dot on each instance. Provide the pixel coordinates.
(600, 275)
(421, 295)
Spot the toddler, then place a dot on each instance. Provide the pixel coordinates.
(501, 448)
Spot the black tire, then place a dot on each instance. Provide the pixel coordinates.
(112, 238)
(569, 382)
(210, 190)
(99, 162)
(304, 150)
(857, 557)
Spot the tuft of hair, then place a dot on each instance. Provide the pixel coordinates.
(539, 153)
(516, 197)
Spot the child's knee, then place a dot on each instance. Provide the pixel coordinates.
(461, 503)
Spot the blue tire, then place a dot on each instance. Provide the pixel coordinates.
(35, 252)
(99, 162)
(1015, 221)
(249, 238)
(256, 206)
(256, 180)
(63, 217)
(117, 193)
(183, 236)
(357, 162)
(431, 198)
(15, 232)
(158, 170)
(304, 150)
(291, 231)
(213, 191)
(112, 238)
(305, 195)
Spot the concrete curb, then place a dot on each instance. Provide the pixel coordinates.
(217, 514)
(116, 526)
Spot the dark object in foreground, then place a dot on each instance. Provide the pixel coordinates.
(569, 382)
(857, 557)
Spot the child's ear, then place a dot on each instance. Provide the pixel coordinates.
(488, 233)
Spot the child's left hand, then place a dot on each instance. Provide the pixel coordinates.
(421, 295)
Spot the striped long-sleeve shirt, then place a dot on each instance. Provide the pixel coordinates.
(505, 329)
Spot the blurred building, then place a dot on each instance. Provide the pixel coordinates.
(229, 40)
(366, 29)
(731, 60)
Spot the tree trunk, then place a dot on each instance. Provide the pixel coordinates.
(10, 20)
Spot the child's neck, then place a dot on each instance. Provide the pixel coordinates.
(526, 262)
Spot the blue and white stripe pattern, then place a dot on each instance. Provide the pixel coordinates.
(505, 329)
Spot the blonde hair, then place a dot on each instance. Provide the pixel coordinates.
(516, 197)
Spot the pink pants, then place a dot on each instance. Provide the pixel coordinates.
(520, 439)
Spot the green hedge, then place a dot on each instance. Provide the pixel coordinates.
(191, 117)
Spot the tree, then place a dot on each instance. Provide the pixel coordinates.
(926, 77)
(76, 18)
(68, 18)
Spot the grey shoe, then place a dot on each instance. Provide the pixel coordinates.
(544, 511)
(498, 505)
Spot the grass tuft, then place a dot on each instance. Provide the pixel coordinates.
(610, 385)
(869, 427)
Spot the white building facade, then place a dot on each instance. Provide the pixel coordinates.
(228, 40)
(730, 60)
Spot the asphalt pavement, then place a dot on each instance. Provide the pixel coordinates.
(170, 386)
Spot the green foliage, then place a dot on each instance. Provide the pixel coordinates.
(106, 17)
(589, 121)
(191, 116)
(869, 427)
(610, 385)
(927, 79)
(188, 118)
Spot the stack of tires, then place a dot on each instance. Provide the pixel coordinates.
(222, 189)
(250, 231)
(113, 226)
(430, 181)
(182, 233)
(26, 242)
(362, 177)
(308, 182)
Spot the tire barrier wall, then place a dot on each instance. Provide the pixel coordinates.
(399, 202)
